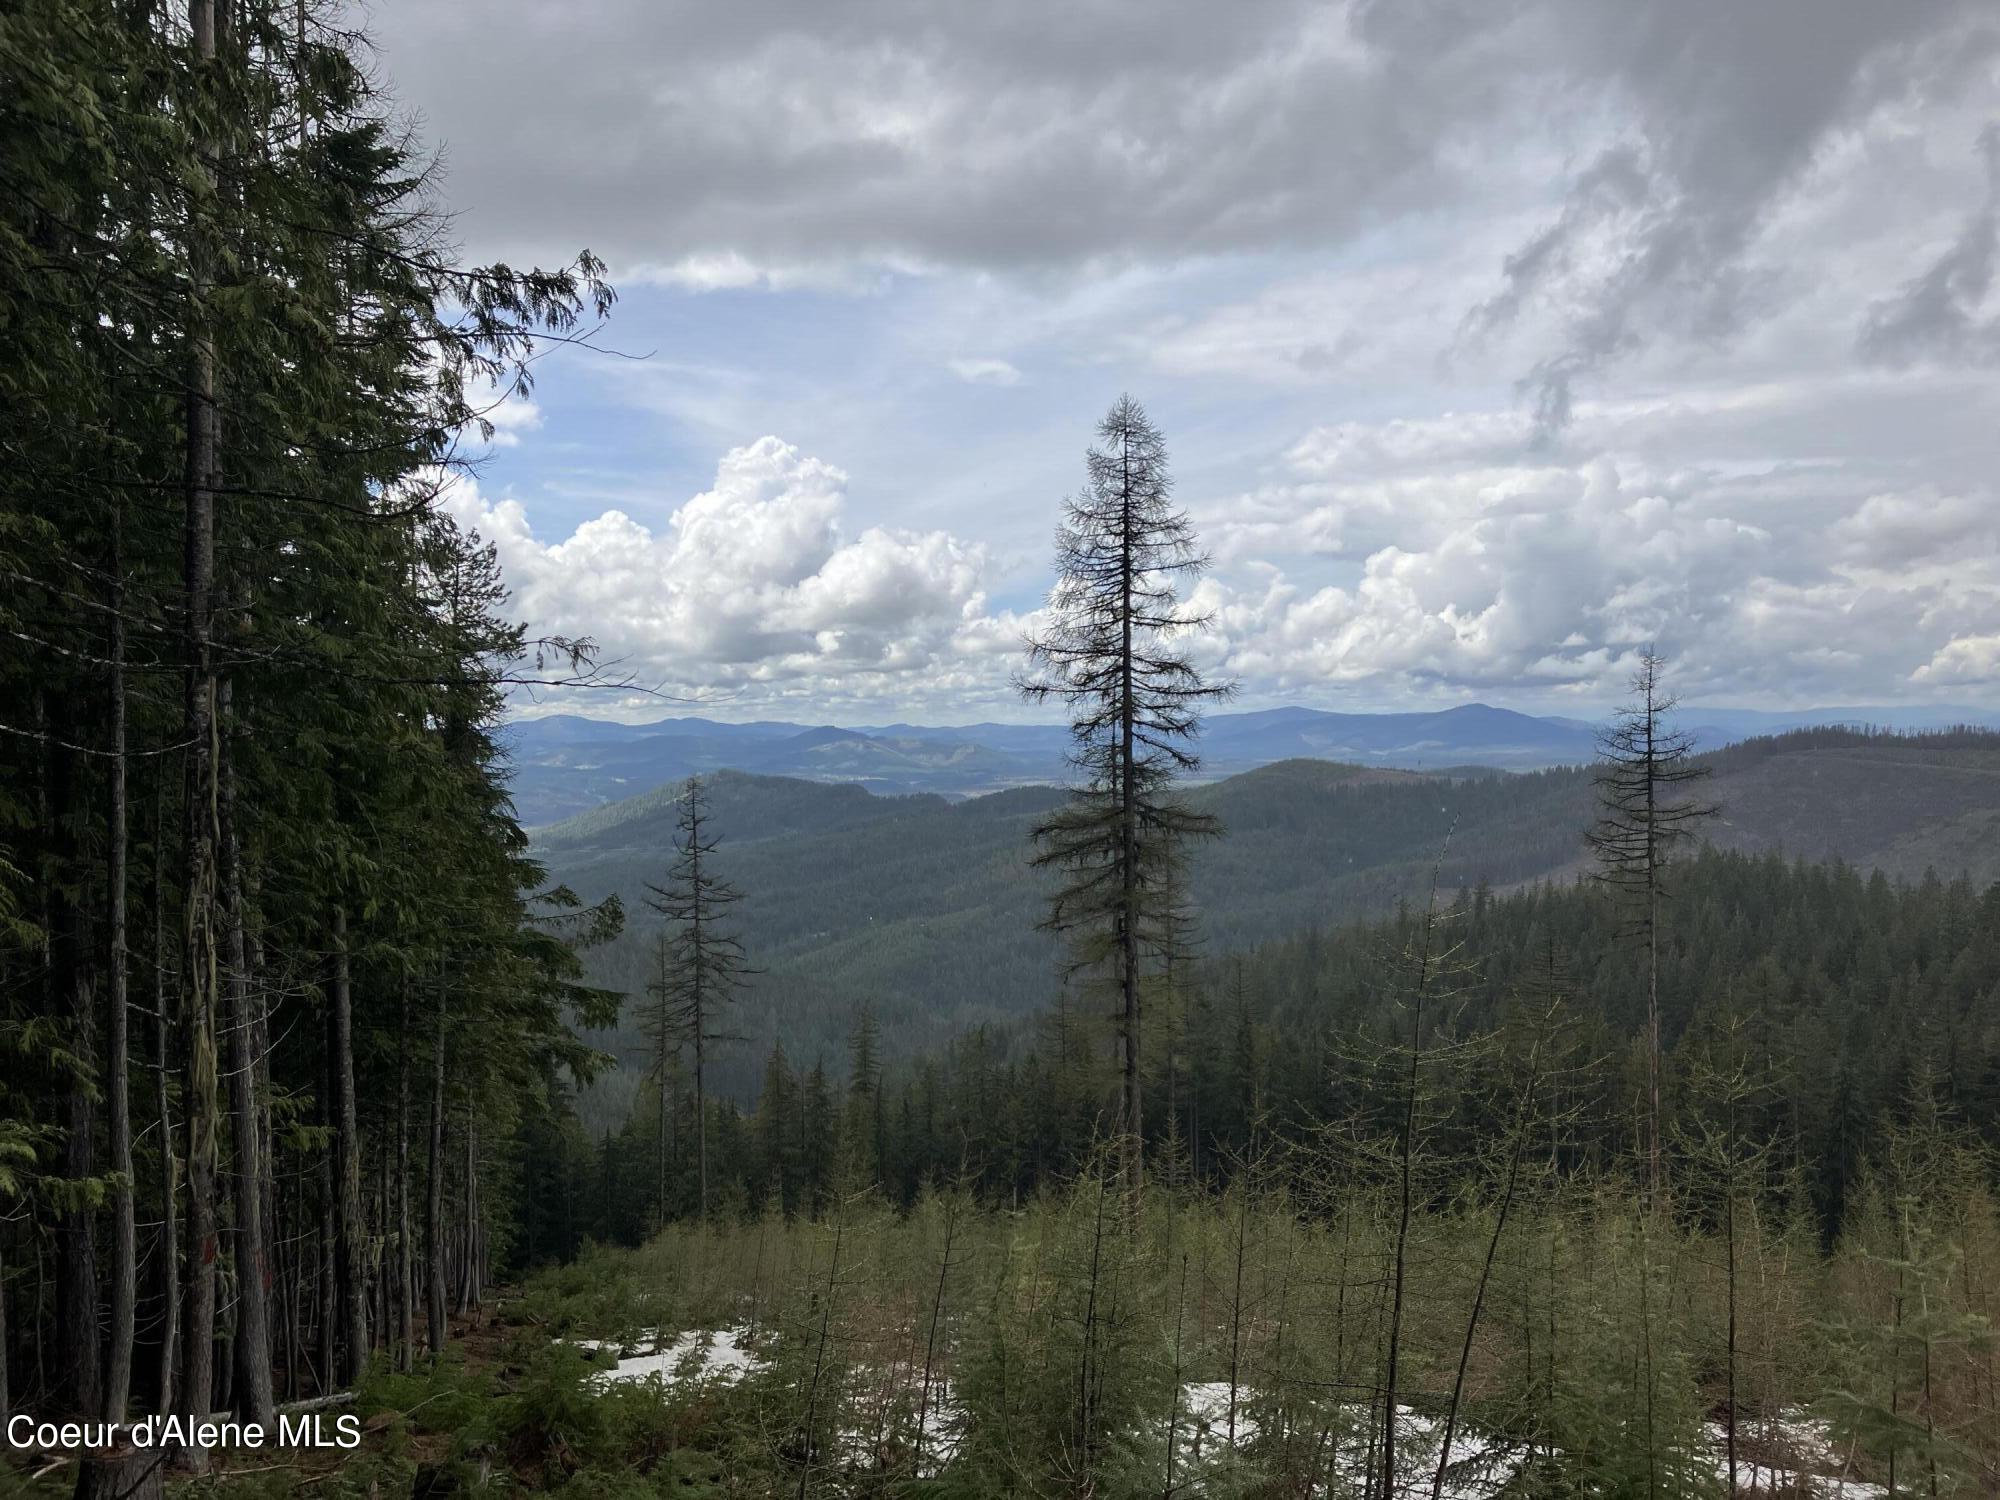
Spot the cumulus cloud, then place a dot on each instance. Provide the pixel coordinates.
(751, 585)
(1435, 559)
(1494, 340)
(510, 418)
(1969, 659)
(1478, 560)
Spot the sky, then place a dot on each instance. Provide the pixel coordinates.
(1493, 340)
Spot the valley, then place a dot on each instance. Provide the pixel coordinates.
(926, 909)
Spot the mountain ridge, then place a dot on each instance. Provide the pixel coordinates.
(564, 764)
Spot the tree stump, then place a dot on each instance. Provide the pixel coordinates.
(122, 1474)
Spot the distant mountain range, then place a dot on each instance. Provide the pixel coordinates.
(927, 908)
(564, 764)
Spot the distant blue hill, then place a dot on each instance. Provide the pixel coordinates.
(565, 764)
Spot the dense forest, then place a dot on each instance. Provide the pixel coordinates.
(279, 985)
(1856, 999)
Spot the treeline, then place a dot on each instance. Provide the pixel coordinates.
(1852, 1003)
(278, 983)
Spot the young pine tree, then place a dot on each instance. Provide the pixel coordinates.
(1113, 653)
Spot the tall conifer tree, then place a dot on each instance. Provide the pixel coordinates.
(704, 968)
(1114, 653)
(1646, 814)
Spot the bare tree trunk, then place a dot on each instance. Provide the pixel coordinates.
(434, 1195)
(808, 1452)
(170, 1258)
(199, 967)
(930, 1343)
(1646, 1349)
(1399, 1267)
(118, 1058)
(80, 1379)
(1133, 1144)
(1895, 1366)
(328, 1277)
(1729, 1232)
(405, 1266)
(662, 1018)
(1652, 1029)
(1086, 1370)
(254, 1400)
(378, 1252)
(347, 1167)
(1174, 1391)
(700, 1107)
(1236, 1314)
(284, 1321)
(1519, 1149)
(260, 1048)
(65, 970)
(469, 1286)
(6, 1345)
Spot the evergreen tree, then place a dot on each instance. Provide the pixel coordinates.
(1114, 654)
(705, 968)
(1646, 815)
(865, 1124)
(253, 661)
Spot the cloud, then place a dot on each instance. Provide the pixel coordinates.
(1471, 559)
(1969, 659)
(751, 585)
(1492, 339)
(1717, 115)
(1400, 560)
(510, 418)
(778, 135)
(1650, 145)
(1942, 312)
(984, 371)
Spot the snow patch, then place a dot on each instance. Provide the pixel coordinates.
(1791, 1453)
(721, 1354)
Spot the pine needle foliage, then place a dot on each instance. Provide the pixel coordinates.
(702, 964)
(1647, 813)
(1115, 653)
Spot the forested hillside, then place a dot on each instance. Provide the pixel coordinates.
(1404, 1156)
(1845, 991)
(926, 910)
